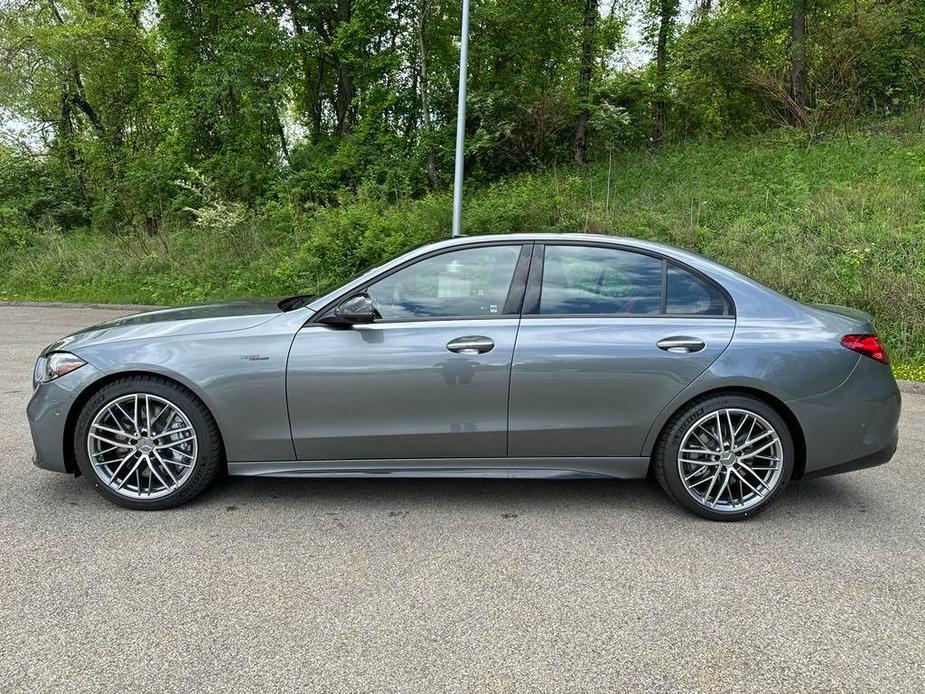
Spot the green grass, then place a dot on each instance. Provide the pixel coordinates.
(839, 221)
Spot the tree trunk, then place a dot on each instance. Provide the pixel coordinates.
(584, 81)
(704, 7)
(797, 87)
(667, 9)
(312, 81)
(343, 102)
(425, 98)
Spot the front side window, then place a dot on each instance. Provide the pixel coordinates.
(470, 282)
(593, 280)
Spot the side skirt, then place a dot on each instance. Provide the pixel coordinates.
(502, 468)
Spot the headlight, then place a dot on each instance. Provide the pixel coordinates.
(54, 365)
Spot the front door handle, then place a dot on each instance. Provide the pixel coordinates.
(681, 344)
(471, 344)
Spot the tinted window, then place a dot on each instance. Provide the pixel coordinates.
(690, 294)
(588, 279)
(469, 282)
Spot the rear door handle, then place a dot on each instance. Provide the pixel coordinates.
(681, 343)
(471, 344)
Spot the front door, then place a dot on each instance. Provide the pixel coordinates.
(608, 338)
(430, 378)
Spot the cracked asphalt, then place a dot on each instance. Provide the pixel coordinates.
(444, 586)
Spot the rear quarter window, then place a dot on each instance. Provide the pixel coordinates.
(688, 294)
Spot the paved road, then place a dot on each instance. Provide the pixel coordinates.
(482, 586)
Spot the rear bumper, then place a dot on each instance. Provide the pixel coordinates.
(870, 460)
(48, 412)
(853, 426)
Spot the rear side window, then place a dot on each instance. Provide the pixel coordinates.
(590, 280)
(689, 294)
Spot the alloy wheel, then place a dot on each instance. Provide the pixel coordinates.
(730, 460)
(142, 446)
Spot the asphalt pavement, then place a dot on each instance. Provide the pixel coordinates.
(443, 586)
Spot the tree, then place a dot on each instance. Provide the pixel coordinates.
(423, 12)
(584, 79)
(797, 85)
(666, 12)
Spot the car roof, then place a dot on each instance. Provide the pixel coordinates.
(549, 236)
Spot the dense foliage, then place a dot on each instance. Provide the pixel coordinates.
(128, 115)
(839, 222)
(174, 150)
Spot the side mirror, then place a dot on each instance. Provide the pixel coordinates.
(356, 309)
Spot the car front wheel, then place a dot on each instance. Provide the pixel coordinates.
(147, 443)
(725, 457)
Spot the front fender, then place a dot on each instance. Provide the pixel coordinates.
(239, 376)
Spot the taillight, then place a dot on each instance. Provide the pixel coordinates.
(868, 345)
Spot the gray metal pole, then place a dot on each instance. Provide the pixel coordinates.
(461, 121)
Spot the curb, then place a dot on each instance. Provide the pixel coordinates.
(914, 387)
(60, 304)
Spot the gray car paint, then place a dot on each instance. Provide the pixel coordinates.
(592, 386)
(234, 357)
(393, 391)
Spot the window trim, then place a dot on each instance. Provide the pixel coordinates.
(513, 300)
(531, 308)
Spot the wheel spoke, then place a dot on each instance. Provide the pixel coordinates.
(155, 473)
(109, 430)
(172, 431)
(121, 463)
(747, 483)
(763, 448)
(171, 444)
(697, 451)
(722, 488)
(692, 475)
(699, 462)
(110, 441)
(744, 419)
(752, 442)
(712, 483)
(127, 474)
(755, 475)
(166, 467)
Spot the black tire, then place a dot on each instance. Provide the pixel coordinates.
(209, 456)
(665, 458)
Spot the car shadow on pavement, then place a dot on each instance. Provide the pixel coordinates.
(827, 495)
(507, 496)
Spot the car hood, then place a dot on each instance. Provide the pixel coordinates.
(188, 320)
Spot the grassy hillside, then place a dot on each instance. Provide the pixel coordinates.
(839, 221)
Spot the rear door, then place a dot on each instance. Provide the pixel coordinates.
(609, 336)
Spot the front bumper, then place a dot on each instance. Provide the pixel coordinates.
(853, 426)
(48, 412)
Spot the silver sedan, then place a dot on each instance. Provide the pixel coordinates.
(527, 355)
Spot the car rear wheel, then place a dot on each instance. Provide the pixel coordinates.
(147, 443)
(725, 457)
